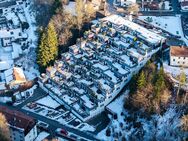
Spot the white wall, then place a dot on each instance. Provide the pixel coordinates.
(179, 61)
(31, 136)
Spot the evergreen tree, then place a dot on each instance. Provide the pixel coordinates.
(42, 54)
(141, 80)
(160, 83)
(132, 84)
(52, 42)
(48, 48)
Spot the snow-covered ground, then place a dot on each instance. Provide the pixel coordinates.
(174, 71)
(49, 102)
(117, 105)
(87, 127)
(129, 127)
(71, 8)
(171, 24)
(28, 61)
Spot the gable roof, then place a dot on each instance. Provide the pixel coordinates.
(179, 51)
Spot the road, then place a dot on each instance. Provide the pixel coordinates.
(38, 93)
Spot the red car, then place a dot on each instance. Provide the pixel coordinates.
(64, 132)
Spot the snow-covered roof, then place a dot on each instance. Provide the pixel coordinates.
(48, 101)
(148, 35)
(13, 33)
(88, 103)
(5, 64)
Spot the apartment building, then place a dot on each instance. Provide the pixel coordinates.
(96, 68)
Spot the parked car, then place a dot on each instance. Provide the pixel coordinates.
(62, 132)
(42, 125)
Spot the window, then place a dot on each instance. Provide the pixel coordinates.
(178, 62)
(184, 58)
(173, 59)
(183, 62)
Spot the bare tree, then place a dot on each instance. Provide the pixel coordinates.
(165, 97)
(4, 129)
(90, 11)
(184, 122)
(80, 13)
(133, 9)
(182, 81)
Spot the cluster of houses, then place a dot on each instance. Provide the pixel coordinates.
(13, 38)
(95, 69)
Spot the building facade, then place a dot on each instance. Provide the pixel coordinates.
(179, 56)
(22, 127)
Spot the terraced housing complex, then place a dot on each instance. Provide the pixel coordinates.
(95, 70)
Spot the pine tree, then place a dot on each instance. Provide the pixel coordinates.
(141, 81)
(160, 83)
(48, 48)
(52, 42)
(42, 55)
(132, 84)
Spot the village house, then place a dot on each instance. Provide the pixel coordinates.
(13, 37)
(179, 56)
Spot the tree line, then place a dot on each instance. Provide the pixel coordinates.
(152, 90)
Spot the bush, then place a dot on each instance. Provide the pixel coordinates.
(108, 132)
(115, 116)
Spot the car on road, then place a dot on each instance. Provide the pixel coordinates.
(42, 125)
(62, 132)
